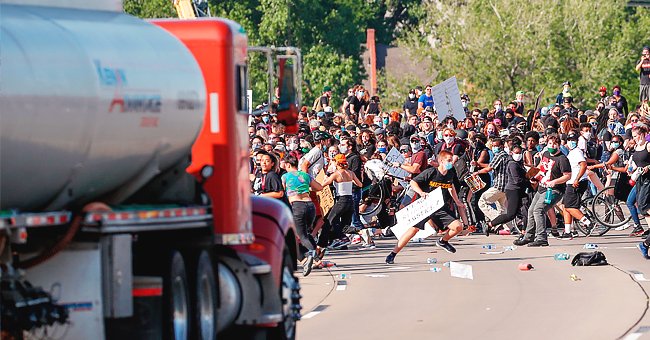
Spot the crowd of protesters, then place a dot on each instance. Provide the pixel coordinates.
(533, 166)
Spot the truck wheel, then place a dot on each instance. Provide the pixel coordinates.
(290, 297)
(205, 299)
(177, 299)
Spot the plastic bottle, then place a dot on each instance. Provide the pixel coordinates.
(561, 257)
(591, 246)
(489, 246)
(509, 248)
(635, 176)
(432, 260)
(435, 269)
(344, 276)
(548, 198)
(525, 266)
(447, 264)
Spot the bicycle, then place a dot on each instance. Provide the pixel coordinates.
(608, 209)
(380, 193)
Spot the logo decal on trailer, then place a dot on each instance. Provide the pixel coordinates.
(214, 112)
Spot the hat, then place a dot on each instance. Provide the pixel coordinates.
(327, 109)
(427, 119)
(351, 127)
(321, 135)
(566, 83)
(321, 114)
(340, 159)
(326, 88)
(602, 89)
(428, 109)
(464, 96)
(572, 136)
(414, 137)
(380, 132)
(520, 92)
(363, 126)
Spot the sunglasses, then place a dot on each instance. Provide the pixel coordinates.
(634, 121)
(403, 151)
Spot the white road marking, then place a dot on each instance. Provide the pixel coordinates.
(398, 268)
(640, 277)
(376, 275)
(633, 336)
(341, 287)
(310, 315)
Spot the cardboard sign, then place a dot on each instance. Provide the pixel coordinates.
(394, 156)
(417, 211)
(446, 99)
(325, 196)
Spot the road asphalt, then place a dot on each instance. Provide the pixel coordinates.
(362, 297)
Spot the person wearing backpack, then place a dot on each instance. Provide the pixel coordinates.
(323, 101)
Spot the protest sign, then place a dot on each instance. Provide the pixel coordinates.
(417, 211)
(325, 196)
(446, 99)
(394, 156)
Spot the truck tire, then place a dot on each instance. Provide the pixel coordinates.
(176, 299)
(205, 297)
(290, 297)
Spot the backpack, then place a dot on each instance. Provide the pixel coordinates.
(317, 105)
(595, 258)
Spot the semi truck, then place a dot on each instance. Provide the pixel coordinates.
(125, 204)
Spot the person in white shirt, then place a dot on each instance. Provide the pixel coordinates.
(575, 187)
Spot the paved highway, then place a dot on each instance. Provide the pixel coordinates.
(407, 300)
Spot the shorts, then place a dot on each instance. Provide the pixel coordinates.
(441, 218)
(644, 92)
(573, 196)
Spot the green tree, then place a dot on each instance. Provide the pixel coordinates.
(496, 48)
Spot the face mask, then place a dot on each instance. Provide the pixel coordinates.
(617, 93)
(450, 126)
(464, 103)
(490, 132)
(448, 140)
(382, 149)
(343, 149)
(551, 150)
(587, 135)
(266, 119)
(439, 134)
(497, 107)
(416, 147)
(448, 166)
(257, 146)
(292, 146)
(614, 146)
(496, 149)
(385, 121)
(332, 155)
(304, 150)
(411, 96)
(571, 144)
(594, 124)
(337, 137)
(539, 147)
(506, 149)
(517, 157)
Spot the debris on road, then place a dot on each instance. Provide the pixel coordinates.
(561, 256)
(459, 270)
(525, 266)
(591, 246)
(435, 269)
(574, 277)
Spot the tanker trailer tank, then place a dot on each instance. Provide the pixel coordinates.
(93, 102)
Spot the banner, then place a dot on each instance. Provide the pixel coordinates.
(394, 156)
(325, 196)
(446, 99)
(416, 212)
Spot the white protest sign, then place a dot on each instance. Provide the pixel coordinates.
(417, 211)
(446, 98)
(394, 156)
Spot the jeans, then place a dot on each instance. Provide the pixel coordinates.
(356, 199)
(304, 214)
(338, 217)
(513, 203)
(490, 196)
(473, 204)
(631, 205)
(536, 227)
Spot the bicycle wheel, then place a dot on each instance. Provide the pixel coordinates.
(374, 200)
(608, 210)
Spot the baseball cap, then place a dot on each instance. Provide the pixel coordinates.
(572, 136)
(566, 83)
(520, 92)
(427, 119)
(326, 88)
(321, 135)
(380, 132)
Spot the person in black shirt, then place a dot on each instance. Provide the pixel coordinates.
(348, 147)
(554, 171)
(410, 106)
(643, 67)
(267, 182)
(443, 177)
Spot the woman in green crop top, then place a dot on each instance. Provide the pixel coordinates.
(297, 184)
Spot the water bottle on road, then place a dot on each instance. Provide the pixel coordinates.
(435, 269)
(432, 260)
(591, 246)
(489, 246)
(561, 257)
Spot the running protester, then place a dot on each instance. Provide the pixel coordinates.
(515, 189)
(443, 177)
(576, 186)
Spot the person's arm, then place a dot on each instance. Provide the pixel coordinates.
(356, 180)
(459, 204)
(560, 180)
(607, 165)
(412, 168)
(484, 159)
(273, 194)
(304, 166)
(639, 64)
(329, 180)
(315, 186)
(416, 188)
(528, 159)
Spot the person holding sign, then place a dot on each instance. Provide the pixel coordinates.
(341, 213)
(443, 177)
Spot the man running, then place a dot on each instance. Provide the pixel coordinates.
(444, 177)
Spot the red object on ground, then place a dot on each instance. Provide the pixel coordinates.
(525, 266)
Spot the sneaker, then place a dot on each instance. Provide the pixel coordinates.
(555, 233)
(390, 259)
(446, 246)
(646, 233)
(486, 228)
(522, 241)
(574, 233)
(644, 250)
(356, 239)
(368, 246)
(638, 231)
(566, 237)
(624, 226)
(309, 262)
(538, 243)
